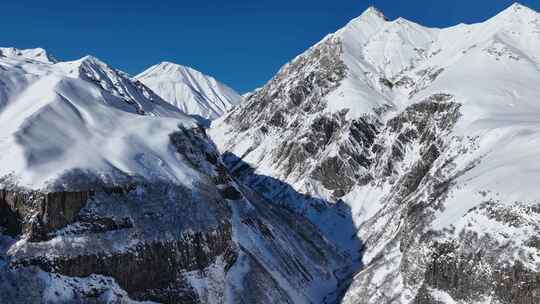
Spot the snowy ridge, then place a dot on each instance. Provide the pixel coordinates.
(390, 163)
(391, 65)
(37, 54)
(94, 117)
(107, 193)
(190, 90)
(451, 163)
(137, 96)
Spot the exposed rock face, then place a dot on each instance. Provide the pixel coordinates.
(10, 221)
(411, 141)
(463, 263)
(339, 173)
(39, 213)
(111, 194)
(313, 76)
(119, 233)
(413, 156)
(145, 260)
(115, 82)
(421, 124)
(390, 163)
(158, 241)
(309, 144)
(147, 270)
(471, 266)
(469, 275)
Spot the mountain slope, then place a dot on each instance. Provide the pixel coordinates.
(190, 90)
(108, 194)
(389, 163)
(87, 111)
(427, 136)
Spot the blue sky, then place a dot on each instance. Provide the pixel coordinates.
(240, 42)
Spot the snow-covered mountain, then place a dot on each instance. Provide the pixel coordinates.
(109, 194)
(389, 163)
(86, 111)
(190, 90)
(37, 54)
(420, 143)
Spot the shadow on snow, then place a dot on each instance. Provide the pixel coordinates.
(333, 219)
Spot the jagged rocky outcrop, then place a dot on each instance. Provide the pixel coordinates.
(296, 91)
(145, 257)
(111, 195)
(150, 270)
(153, 239)
(405, 142)
(325, 147)
(389, 163)
(37, 213)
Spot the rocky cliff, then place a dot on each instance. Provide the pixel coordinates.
(389, 163)
(415, 143)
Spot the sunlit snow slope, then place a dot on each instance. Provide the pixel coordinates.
(429, 136)
(190, 90)
(107, 193)
(94, 118)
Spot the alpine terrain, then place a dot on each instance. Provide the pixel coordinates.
(419, 144)
(190, 90)
(109, 194)
(390, 163)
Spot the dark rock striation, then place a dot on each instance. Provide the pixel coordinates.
(37, 214)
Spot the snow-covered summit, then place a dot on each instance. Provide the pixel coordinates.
(100, 168)
(190, 90)
(134, 94)
(373, 13)
(37, 54)
(414, 150)
(426, 134)
(365, 25)
(83, 116)
(519, 9)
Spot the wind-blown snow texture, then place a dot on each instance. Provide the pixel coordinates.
(430, 138)
(389, 163)
(190, 90)
(82, 115)
(108, 193)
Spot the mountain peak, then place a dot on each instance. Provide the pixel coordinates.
(89, 60)
(171, 66)
(373, 12)
(167, 64)
(37, 54)
(369, 22)
(169, 69)
(87, 63)
(517, 6)
(519, 10)
(189, 90)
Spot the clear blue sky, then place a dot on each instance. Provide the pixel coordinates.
(240, 42)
